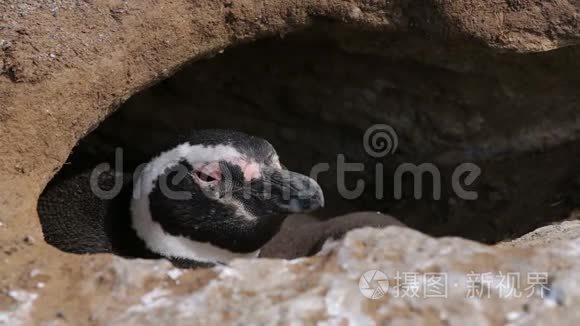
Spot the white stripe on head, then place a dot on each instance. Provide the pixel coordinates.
(151, 232)
(196, 155)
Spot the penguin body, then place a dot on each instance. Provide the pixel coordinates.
(74, 220)
(207, 198)
(303, 235)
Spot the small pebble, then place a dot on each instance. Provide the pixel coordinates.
(514, 315)
(356, 12)
(29, 240)
(174, 274)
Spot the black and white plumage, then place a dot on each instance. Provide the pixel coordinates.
(211, 197)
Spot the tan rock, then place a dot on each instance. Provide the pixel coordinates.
(66, 65)
(326, 288)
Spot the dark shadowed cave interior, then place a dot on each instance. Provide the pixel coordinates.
(313, 94)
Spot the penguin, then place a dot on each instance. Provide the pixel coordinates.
(303, 235)
(207, 198)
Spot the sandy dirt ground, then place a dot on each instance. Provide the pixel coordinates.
(66, 65)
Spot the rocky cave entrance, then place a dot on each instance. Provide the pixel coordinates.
(313, 94)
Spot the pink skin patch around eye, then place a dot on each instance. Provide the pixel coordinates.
(251, 170)
(211, 170)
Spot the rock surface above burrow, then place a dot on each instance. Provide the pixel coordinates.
(65, 65)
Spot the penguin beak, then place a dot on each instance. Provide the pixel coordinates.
(291, 192)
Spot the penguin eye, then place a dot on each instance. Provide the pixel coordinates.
(210, 173)
(205, 177)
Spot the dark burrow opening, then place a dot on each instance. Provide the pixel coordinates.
(314, 94)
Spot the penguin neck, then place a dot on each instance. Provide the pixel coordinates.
(170, 246)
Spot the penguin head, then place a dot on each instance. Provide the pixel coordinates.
(216, 196)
